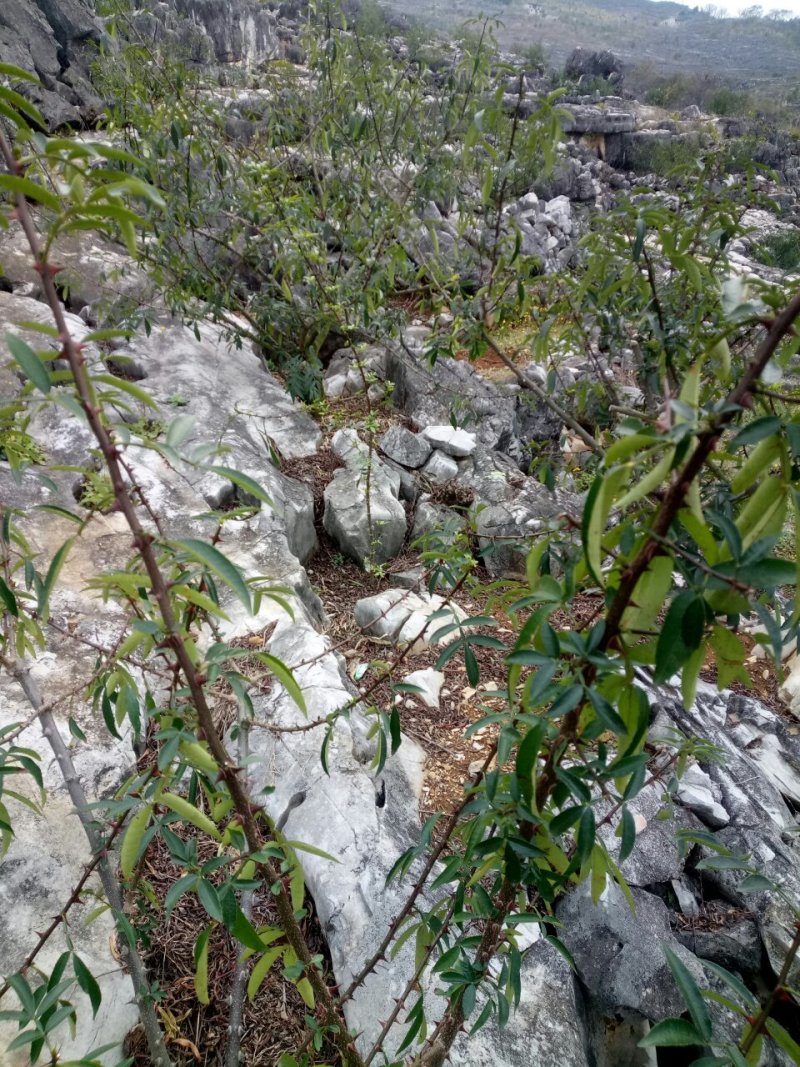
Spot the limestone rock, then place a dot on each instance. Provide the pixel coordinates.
(404, 447)
(366, 521)
(619, 954)
(429, 682)
(401, 616)
(452, 441)
(93, 271)
(363, 822)
(440, 469)
(507, 528)
(429, 517)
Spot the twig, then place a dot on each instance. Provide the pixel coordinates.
(758, 1024)
(141, 985)
(533, 386)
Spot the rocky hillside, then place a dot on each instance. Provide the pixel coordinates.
(59, 40)
(667, 36)
(332, 433)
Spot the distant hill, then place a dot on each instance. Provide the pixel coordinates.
(747, 52)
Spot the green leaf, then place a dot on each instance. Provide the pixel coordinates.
(209, 898)
(88, 983)
(527, 754)
(245, 482)
(755, 883)
(586, 835)
(220, 565)
(29, 362)
(783, 1039)
(53, 571)
(757, 430)
(131, 843)
(244, 932)
(122, 385)
(9, 600)
(627, 832)
(698, 1009)
(672, 650)
(286, 678)
(189, 813)
(18, 73)
(179, 429)
(30, 190)
(201, 965)
(649, 595)
(671, 1033)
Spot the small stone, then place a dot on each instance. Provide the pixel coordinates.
(440, 468)
(430, 683)
(453, 442)
(404, 447)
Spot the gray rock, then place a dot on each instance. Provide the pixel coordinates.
(440, 469)
(364, 461)
(38, 37)
(339, 813)
(404, 617)
(93, 271)
(239, 31)
(696, 791)
(736, 946)
(404, 447)
(507, 528)
(48, 853)
(545, 1030)
(408, 488)
(453, 442)
(429, 517)
(656, 857)
(762, 826)
(619, 954)
(369, 527)
(450, 389)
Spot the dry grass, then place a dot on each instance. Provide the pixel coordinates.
(273, 1022)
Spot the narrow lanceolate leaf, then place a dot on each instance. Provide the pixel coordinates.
(595, 516)
(244, 482)
(698, 1009)
(627, 832)
(17, 73)
(189, 813)
(214, 560)
(201, 965)
(88, 983)
(12, 183)
(670, 1033)
(30, 364)
(8, 599)
(124, 386)
(129, 852)
(783, 1040)
(53, 571)
(286, 678)
(259, 972)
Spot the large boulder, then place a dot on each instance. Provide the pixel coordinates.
(583, 64)
(619, 951)
(364, 517)
(54, 39)
(362, 512)
(94, 272)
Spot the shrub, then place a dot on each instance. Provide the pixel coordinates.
(781, 250)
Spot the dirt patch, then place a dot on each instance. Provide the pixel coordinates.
(272, 1024)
